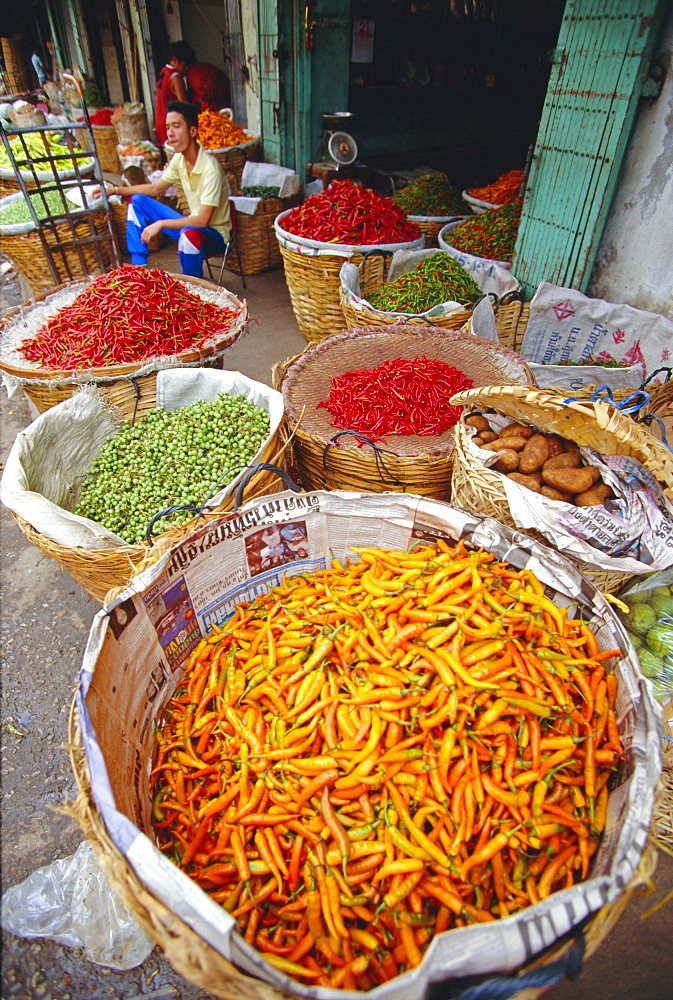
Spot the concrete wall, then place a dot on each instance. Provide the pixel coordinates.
(635, 262)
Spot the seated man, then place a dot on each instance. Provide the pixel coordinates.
(207, 228)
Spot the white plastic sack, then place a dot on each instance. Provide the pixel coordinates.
(574, 378)
(566, 325)
(70, 902)
(48, 460)
(631, 534)
(498, 283)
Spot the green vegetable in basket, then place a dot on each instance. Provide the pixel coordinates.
(430, 195)
(30, 148)
(642, 618)
(181, 457)
(260, 191)
(660, 640)
(435, 280)
(650, 663)
(17, 211)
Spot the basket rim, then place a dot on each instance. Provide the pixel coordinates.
(471, 200)
(188, 355)
(507, 264)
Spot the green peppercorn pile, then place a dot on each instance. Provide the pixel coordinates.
(17, 211)
(430, 195)
(437, 279)
(260, 191)
(491, 235)
(181, 457)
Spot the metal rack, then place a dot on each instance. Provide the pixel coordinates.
(65, 241)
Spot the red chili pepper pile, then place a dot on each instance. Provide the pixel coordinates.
(397, 397)
(127, 315)
(505, 189)
(349, 213)
(101, 117)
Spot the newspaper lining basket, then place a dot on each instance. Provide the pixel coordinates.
(373, 269)
(403, 463)
(313, 278)
(129, 391)
(477, 487)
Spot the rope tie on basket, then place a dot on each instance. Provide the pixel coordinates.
(648, 418)
(378, 453)
(267, 467)
(604, 395)
(503, 987)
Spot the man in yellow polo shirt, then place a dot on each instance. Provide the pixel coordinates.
(207, 228)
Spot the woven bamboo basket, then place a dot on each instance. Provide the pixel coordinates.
(26, 252)
(256, 244)
(105, 140)
(313, 278)
(119, 211)
(131, 127)
(119, 384)
(372, 277)
(476, 487)
(405, 463)
(431, 226)
(201, 965)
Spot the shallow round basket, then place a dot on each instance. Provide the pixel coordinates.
(119, 210)
(373, 270)
(90, 256)
(313, 278)
(132, 393)
(477, 487)
(105, 141)
(329, 459)
(478, 206)
(201, 965)
(431, 226)
(444, 244)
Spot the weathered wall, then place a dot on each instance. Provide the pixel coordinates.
(635, 260)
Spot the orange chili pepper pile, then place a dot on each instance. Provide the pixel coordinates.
(369, 755)
(505, 189)
(218, 131)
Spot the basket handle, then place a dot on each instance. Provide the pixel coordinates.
(648, 418)
(604, 394)
(378, 456)
(268, 467)
(503, 987)
(669, 375)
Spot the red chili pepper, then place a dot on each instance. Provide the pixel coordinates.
(348, 213)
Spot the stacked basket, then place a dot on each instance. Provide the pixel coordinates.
(105, 141)
(598, 425)
(257, 248)
(328, 459)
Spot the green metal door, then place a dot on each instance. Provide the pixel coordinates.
(600, 64)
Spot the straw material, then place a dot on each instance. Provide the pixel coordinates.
(314, 286)
(200, 964)
(26, 252)
(98, 571)
(430, 229)
(372, 277)
(131, 127)
(663, 809)
(120, 211)
(256, 244)
(130, 393)
(105, 141)
(403, 463)
(476, 487)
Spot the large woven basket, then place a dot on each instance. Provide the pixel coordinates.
(373, 269)
(313, 278)
(257, 248)
(598, 425)
(404, 463)
(201, 965)
(431, 226)
(9, 182)
(92, 256)
(120, 210)
(131, 127)
(105, 141)
(121, 385)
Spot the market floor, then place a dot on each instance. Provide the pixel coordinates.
(45, 623)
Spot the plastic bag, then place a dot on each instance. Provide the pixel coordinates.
(650, 626)
(70, 902)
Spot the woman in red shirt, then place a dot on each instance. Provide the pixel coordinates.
(208, 86)
(171, 85)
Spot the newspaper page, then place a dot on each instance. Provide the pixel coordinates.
(140, 641)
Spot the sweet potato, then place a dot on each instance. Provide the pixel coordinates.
(476, 420)
(528, 481)
(517, 430)
(535, 454)
(594, 497)
(555, 445)
(506, 444)
(571, 480)
(551, 494)
(508, 461)
(566, 460)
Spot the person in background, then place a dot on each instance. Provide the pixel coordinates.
(38, 67)
(207, 228)
(208, 86)
(171, 85)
